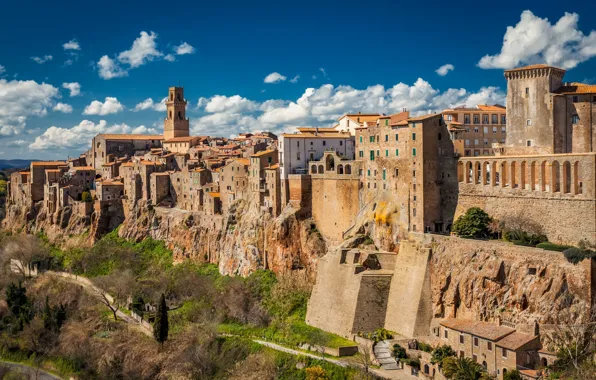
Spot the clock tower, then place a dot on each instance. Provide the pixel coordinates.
(176, 123)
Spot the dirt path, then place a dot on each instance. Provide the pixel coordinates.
(31, 372)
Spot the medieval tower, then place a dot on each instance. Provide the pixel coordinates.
(176, 124)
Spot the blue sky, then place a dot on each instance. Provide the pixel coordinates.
(330, 57)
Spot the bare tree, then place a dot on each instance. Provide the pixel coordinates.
(24, 253)
(113, 290)
(575, 339)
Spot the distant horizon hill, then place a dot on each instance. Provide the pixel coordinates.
(16, 163)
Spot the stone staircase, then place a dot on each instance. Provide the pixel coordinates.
(382, 352)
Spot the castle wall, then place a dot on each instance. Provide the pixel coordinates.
(409, 310)
(334, 204)
(371, 303)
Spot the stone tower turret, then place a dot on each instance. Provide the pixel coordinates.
(530, 119)
(176, 124)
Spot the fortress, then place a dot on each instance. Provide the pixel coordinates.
(399, 180)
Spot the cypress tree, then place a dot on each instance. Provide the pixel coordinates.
(160, 326)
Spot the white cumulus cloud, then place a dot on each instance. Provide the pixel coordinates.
(109, 106)
(184, 48)
(150, 104)
(79, 136)
(42, 60)
(62, 107)
(170, 58)
(72, 45)
(22, 99)
(222, 103)
(274, 78)
(109, 69)
(535, 40)
(445, 69)
(73, 87)
(295, 79)
(143, 50)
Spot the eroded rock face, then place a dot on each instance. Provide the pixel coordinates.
(490, 280)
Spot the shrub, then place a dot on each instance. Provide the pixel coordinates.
(441, 353)
(399, 352)
(86, 196)
(512, 375)
(552, 246)
(378, 335)
(576, 255)
(473, 224)
(425, 347)
(520, 237)
(414, 363)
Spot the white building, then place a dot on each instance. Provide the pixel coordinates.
(348, 122)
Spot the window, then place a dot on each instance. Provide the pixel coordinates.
(502, 129)
(476, 119)
(386, 122)
(372, 155)
(485, 142)
(461, 339)
(495, 119)
(476, 341)
(386, 137)
(324, 143)
(594, 98)
(504, 352)
(575, 99)
(528, 143)
(396, 172)
(489, 346)
(475, 141)
(360, 139)
(485, 129)
(527, 90)
(476, 130)
(298, 144)
(377, 138)
(369, 172)
(396, 137)
(386, 153)
(384, 174)
(475, 358)
(466, 119)
(467, 129)
(494, 129)
(503, 119)
(529, 122)
(484, 119)
(414, 152)
(372, 139)
(414, 173)
(361, 154)
(378, 153)
(341, 143)
(413, 137)
(298, 155)
(467, 142)
(413, 125)
(575, 119)
(449, 117)
(413, 212)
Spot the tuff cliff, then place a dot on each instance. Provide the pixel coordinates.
(240, 242)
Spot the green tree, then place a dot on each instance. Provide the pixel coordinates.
(473, 224)
(441, 353)
(463, 369)
(19, 305)
(86, 196)
(512, 375)
(160, 326)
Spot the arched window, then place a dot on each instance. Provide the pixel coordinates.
(522, 173)
(179, 115)
(329, 163)
(170, 114)
(426, 369)
(172, 96)
(340, 169)
(321, 169)
(533, 176)
(313, 169)
(460, 171)
(566, 177)
(469, 172)
(577, 179)
(478, 176)
(514, 183)
(178, 96)
(555, 177)
(348, 169)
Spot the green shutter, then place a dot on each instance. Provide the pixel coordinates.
(386, 153)
(386, 122)
(396, 137)
(414, 136)
(369, 172)
(384, 174)
(396, 152)
(360, 139)
(372, 155)
(413, 151)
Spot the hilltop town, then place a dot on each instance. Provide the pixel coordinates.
(365, 207)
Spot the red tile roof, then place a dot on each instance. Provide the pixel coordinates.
(484, 330)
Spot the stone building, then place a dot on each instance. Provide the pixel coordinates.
(410, 163)
(257, 174)
(176, 124)
(272, 193)
(181, 144)
(349, 122)
(482, 127)
(109, 190)
(160, 187)
(105, 148)
(19, 188)
(298, 149)
(233, 181)
(212, 203)
(497, 348)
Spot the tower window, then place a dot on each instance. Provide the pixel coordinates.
(575, 119)
(527, 90)
(529, 143)
(178, 96)
(575, 99)
(179, 115)
(529, 122)
(170, 114)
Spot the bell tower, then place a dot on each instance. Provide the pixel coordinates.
(175, 124)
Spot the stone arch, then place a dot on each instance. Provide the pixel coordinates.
(321, 169)
(533, 176)
(503, 174)
(348, 169)
(566, 177)
(313, 169)
(544, 362)
(460, 171)
(514, 183)
(329, 163)
(426, 369)
(494, 178)
(478, 173)
(555, 177)
(340, 169)
(577, 183)
(544, 183)
(486, 173)
(522, 175)
(469, 172)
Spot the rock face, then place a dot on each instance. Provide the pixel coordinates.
(239, 243)
(486, 280)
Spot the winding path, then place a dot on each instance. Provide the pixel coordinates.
(30, 371)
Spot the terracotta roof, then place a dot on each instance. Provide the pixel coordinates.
(577, 88)
(538, 66)
(109, 164)
(48, 163)
(363, 116)
(400, 123)
(243, 161)
(214, 195)
(276, 166)
(53, 170)
(494, 107)
(110, 183)
(263, 152)
(535, 374)
(127, 164)
(130, 137)
(320, 130)
(181, 139)
(161, 173)
(423, 117)
(82, 168)
(484, 330)
(516, 340)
